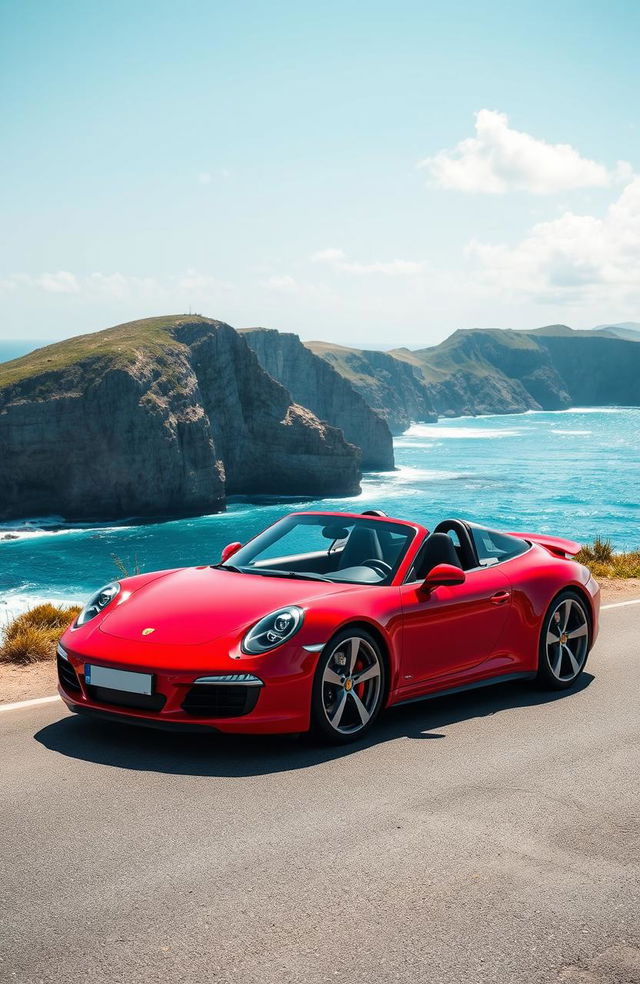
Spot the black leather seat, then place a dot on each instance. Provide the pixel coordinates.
(363, 544)
(438, 549)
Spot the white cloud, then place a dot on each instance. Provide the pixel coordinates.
(572, 258)
(205, 177)
(337, 259)
(284, 283)
(199, 282)
(328, 256)
(118, 286)
(500, 159)
(62, 282)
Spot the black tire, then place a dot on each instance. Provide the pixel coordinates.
(345, 699)
(561, 662)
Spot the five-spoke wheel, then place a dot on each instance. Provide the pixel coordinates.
(349, 686)
(564, 645)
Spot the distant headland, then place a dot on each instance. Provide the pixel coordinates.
(170, 415)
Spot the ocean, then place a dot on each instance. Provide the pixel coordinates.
(572, 473)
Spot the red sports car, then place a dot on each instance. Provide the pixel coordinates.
(326, 618)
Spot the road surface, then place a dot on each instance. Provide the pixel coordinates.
(490, 837)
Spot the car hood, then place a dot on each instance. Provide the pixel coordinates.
(196, 605)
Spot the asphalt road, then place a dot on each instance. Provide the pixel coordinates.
(491, 837)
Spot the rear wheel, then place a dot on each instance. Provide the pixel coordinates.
(349, 686)
(565, 641)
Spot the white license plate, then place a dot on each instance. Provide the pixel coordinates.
(103, 676)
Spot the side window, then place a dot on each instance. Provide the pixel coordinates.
(493, 548)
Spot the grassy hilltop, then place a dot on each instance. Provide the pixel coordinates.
(116, 347)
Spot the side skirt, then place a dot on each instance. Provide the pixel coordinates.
(476, 685)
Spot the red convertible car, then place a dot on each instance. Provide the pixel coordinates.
(326, 618)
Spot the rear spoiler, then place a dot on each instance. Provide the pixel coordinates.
(554, 544)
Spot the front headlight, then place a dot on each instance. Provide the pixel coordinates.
(272, 630)
(99, 602)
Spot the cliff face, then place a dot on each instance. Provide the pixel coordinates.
(159, 417)
(550, 368)
(597, 371)
(497, 371)
(315, 384)
(391, 387)
(493, 371)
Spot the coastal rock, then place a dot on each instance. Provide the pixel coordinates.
(392, 387)
(315, 384)
(158, 417)
(597, 371)
(494, 371)
(489, 371)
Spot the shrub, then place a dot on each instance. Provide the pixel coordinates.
(32, 636)
(600, 552)
(603, 562)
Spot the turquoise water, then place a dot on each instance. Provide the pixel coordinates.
(572, 473)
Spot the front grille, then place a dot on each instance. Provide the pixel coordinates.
(67, 676)
(220, 700)
(122, 698)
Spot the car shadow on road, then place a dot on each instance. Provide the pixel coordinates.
(129, 747)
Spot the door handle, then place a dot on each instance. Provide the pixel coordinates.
(500, 597)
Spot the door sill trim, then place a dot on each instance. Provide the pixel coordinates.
(474, 685)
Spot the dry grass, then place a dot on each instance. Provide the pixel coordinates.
(32, 637)
(601, 560)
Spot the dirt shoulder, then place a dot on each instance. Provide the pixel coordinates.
(24, 682)
(619, 589)
(39, 679)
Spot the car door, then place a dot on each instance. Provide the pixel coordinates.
(453, 632)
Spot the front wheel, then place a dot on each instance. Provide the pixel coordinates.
(564, 642)
(349, 686)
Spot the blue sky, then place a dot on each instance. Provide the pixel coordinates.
(260, 162)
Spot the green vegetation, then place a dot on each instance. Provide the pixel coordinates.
(32, 637)
(465, 352)
(349, 362)
(601, 560)
(114, 347)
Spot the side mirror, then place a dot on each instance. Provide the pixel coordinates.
(442, 574)
(229, 551)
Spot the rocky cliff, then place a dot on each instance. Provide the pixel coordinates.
(314, 383)
(493, 371)
(163, 416)
(392, 387)
(597, 371)
(489, 371)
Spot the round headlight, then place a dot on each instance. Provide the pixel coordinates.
(99, 602)
(272, 630)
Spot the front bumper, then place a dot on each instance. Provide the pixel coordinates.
(280, 705)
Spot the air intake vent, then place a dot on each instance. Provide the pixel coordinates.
(122, 698)
(223, 700)
(67, 676)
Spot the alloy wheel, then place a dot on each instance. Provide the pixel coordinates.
(567, 640)
(351, 685)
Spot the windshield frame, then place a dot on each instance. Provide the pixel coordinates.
(412, 531)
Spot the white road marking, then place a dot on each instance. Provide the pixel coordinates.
(48, 700)
(29, 703)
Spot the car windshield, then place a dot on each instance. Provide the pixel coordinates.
(326, 548)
